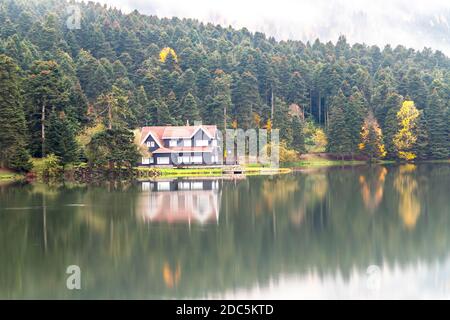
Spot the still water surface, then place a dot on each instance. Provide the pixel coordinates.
(359, 232)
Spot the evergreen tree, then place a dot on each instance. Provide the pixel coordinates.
(393, 104)
(189, 110)
(45, 92)
(298, 137)
(114, 148)
(163, 117)
(297, 90)
(13, 153)
(283, 122)
(246, 99)
(422, 145)
(114, 109)
(355, 111)
(338, 133)
(174, 108)
(437, 127)
(61, 139)
(86, 68)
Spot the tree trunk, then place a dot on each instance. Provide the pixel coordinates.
(43, 128)
(109, 113)
(320, 108)
(224, 118)
(272, 106)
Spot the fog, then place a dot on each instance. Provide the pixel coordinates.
(415, 23)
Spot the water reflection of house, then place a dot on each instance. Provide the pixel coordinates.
(180, 201)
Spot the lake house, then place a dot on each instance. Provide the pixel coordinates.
(181, 146)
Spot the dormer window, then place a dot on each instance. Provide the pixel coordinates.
(201, 143)
(173, 143)
(150, 144)
(187, 143)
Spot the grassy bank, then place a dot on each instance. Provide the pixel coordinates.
(206, 172)
(322, 163)
(6, 175)
(179, 172)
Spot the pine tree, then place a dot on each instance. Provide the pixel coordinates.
(246, 99)
(355, 112)
(174, 108)
(393, 103)
(437, 127)
(297, 90)
(163, 117)
(422, 146)
(45, 92)
(203, 83)
(100, 81)
(298, 137)
(13, 153)
(61, 139)
(338, 134)
(189, 110)
(282, 121)
(86, 68)
(139, 104)
(114, 109)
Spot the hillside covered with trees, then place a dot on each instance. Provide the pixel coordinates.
(78, 93)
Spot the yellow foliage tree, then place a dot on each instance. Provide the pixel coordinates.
(372, 139)
(406, 137)
(165, 52)
(320, 141)
(269, 125)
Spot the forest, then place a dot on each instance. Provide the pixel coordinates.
(76, 94)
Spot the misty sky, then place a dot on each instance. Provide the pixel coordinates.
(413, 23)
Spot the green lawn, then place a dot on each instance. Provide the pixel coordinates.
(9, 175)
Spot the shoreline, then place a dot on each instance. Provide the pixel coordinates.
(142, 173)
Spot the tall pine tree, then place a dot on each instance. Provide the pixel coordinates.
(13, 153)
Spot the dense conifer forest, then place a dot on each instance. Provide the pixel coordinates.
(77, 94)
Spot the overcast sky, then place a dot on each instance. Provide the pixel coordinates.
(413, 23)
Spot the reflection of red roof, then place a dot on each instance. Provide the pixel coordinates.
(169, 132)
(183, 150)
(181, 207)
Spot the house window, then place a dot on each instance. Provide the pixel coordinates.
(145, 160)
(197, 159)
(163, 160)
(184, 159)
(201, 143)
(197, 185)
(173, 143)
(163, 186)
(150, 144)
(187, 143)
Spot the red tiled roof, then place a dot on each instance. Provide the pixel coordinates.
(168, 132)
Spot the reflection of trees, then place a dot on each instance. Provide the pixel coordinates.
(409, 205)
(123, 257)
(372, 187)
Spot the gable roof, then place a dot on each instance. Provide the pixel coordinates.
(172, 132)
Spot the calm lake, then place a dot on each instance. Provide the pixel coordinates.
(355, 232)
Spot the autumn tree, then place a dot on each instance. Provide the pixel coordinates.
(406, 138)
(372, 144)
